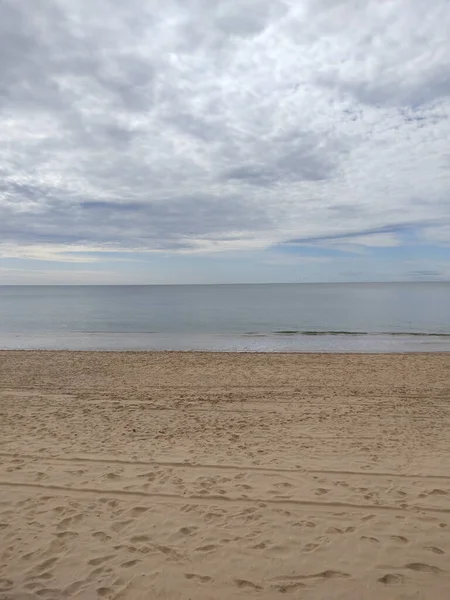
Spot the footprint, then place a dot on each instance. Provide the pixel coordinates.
(66, 535)
(310, 547)
(334, 530)
(137, 511)
(43, 566)
(423, 568)
(207, 548)
(94, 562)
(202, 578)
(149, 476)
(244, 583)
(139, 538)
(5, 584)
(64, 523)
(130, 563)
(434, 549)
(100, 535)
(259, 546)
(73, 588)
(187, 530)
(49, 593)
(95, 573)
(399, 538)
(119, 525)
(31, 586)
(104, 591)
(171, 552)
(321, 491)
(391, 578)
(438, 492)
(45, 575)
(331, 574)
(373, 540)
(288, 587)
(28, 556)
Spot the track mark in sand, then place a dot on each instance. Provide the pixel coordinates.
(201, 578)
(219, 499)
(226, 467)
(391, 578)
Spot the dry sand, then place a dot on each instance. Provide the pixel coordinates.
(220, 476)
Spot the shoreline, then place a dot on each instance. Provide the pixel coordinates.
(270, 342)
(443, 353)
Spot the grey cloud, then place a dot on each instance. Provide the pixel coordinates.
(394, 92)
(169, 225)
(428, 275)
(389, 55)
(394, 228)
(289, 157)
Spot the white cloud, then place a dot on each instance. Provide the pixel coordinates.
(48, 252)
(438, 235)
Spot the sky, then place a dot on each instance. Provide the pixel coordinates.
(224, 141)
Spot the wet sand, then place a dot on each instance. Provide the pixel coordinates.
(218, 476)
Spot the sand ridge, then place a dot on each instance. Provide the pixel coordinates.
(216, 476)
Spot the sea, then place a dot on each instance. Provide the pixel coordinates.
(334, 317)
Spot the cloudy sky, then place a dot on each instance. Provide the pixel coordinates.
(224, 141)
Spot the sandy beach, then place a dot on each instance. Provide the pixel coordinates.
(217, 476)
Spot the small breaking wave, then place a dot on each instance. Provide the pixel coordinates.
(358, 333)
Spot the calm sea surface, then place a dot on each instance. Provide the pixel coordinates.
(292, 317)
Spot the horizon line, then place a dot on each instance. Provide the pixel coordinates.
(225, 283)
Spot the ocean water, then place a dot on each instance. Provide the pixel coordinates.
(386, 317)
